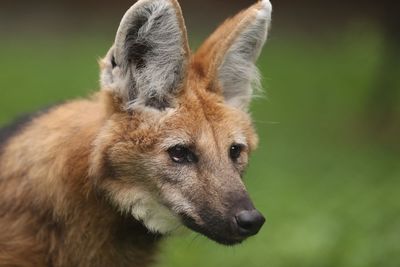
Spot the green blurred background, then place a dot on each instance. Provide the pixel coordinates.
(327, 173)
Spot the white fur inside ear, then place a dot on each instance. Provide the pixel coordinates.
(145, 208)
(150, 54)
(238, 73)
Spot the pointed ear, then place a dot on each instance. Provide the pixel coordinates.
(228, 56)
(148, 61)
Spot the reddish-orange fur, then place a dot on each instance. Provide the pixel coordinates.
(50, 215)
(55, 170)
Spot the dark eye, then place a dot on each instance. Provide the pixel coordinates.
(235, 151)
(181, 154)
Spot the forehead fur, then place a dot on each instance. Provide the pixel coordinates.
(198, 111)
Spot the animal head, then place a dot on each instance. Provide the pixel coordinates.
(179, 135)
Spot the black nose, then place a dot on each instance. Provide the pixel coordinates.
(249, 222)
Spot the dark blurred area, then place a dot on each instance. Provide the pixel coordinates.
(307, 15)
(327, 172)
(309, 18)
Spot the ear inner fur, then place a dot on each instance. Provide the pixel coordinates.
(215, 49)
(151, 53)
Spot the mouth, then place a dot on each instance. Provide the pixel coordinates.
(223, 232)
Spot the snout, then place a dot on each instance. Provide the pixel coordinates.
(249, 222)
(230, 230)
(230, 224)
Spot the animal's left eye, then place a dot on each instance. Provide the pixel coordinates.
(235, 151)
(181, 154)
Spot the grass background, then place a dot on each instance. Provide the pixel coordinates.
(330, 193)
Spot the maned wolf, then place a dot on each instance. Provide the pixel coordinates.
(98, 182)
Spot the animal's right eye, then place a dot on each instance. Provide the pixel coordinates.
(235, 151)
(181, 154)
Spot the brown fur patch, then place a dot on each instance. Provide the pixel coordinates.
(73, 180)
